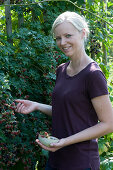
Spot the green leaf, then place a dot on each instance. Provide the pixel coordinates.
(2, 136)
(45, 153)
(111, 98)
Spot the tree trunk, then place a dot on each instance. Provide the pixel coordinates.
(8, 21)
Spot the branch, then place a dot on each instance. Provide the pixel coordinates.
(88, 11)
(74, 3)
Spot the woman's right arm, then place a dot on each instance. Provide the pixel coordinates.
(47, 109)
(27, 106)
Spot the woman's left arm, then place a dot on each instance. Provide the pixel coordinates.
(104, 110)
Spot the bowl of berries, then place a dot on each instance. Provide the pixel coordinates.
(46, 139)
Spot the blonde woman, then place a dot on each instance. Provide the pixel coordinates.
(81, 110)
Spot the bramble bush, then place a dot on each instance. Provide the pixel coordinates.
(9, 131)
(30, 68)
(18, 149)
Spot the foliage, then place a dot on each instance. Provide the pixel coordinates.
(105, 150)
(27, 70)
(9, 131)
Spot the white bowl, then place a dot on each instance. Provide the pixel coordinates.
(47, 140)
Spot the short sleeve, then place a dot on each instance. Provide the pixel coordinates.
(97, 84)
(58, 70)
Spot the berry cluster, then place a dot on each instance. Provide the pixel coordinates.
(13, 147)
(8, 132)
(95, 46)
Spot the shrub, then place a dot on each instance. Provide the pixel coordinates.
(9, 131)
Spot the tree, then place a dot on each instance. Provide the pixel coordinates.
(8, 21)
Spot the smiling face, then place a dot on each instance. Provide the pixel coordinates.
(69, 39)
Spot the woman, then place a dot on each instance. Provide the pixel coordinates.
(81, 110)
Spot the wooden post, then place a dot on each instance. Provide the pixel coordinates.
(8, 21)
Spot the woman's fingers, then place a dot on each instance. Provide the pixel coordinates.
(20, 108)
(17, 107)
(53, 147)
(43, 146)
(25, 106)
(19, 101)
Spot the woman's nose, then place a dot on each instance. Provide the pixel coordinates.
(63, 41)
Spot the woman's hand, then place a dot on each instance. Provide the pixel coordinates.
(53, 147)
(25, 106)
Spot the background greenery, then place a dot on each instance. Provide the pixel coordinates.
(28, 60)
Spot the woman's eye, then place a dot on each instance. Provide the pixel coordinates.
(57, 38)
(68, 35)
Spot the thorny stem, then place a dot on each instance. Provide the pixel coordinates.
(74, 3)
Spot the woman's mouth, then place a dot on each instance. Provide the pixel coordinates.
(66, 49)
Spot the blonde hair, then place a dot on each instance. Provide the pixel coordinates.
(75, 19)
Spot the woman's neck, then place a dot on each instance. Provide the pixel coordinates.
(80, 61)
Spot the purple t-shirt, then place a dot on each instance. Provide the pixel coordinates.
(72, 112)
